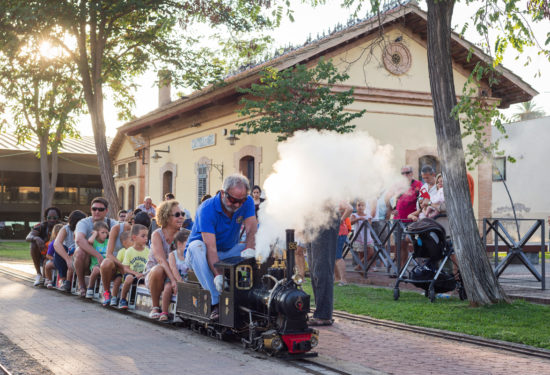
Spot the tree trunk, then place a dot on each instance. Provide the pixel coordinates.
(480, 282)
(103, 159)
(45, 187)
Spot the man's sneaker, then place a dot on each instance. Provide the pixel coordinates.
(38, 279)
(106, 298)
(114, 301)
(48, 283)
(123, 304)
(90, 293)
(215, 314)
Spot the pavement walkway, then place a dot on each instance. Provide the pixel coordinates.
(68, 335)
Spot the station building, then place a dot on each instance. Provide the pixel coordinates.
(185, 146)
(78, 181)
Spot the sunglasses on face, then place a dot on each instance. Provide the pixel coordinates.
(406, 173)
(52, 217)
(100, 209)
(234, 200)
(178, 214)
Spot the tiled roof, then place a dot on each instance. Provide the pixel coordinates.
(85, 145)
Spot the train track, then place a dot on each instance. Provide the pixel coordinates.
(314, 367)
(475, 340)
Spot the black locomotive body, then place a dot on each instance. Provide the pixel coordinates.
(262, 304)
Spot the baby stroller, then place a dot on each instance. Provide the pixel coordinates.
(430, 242)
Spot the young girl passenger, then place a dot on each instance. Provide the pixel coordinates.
(98, 240)
(176, 259)
(49, 266)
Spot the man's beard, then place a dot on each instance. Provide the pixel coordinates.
(228, 207)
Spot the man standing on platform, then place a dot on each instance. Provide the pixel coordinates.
(215, 234)
(406, 204)
(321, 255)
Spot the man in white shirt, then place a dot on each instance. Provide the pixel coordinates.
(147, 206)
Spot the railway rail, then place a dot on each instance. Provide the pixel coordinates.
(475, 340)
(4, 370)
(317, 368)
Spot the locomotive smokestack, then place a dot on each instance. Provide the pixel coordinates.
(290, 250)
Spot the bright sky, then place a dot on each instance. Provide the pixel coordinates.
(314, 20)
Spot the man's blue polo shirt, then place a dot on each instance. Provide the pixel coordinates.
(211, 219)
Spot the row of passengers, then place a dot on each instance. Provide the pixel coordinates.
(169, 217)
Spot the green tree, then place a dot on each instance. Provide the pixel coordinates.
(298, 98)
(528, 111)
(42, 98)
(113, 42)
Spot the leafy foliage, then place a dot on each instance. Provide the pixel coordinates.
(298, 98)
(41, 95)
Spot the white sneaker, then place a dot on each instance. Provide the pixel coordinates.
(90, 293)
(114, 301)
(38, 279)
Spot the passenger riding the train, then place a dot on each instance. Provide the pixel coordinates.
(215, 234)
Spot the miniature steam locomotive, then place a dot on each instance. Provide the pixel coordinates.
(261, 304)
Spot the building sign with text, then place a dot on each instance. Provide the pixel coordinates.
(207, 140)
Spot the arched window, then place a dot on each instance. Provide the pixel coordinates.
(428, 160)
(121, 197)
(166, 182)
(131, 197)
(246, 167)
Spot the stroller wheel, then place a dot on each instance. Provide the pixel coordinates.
(462, 293)
(431, 295)
(395, 294)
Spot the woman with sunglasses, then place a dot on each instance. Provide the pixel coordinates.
(158, 274)
(38, 237)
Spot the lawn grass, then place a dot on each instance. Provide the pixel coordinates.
(520, 322)
(18, 250)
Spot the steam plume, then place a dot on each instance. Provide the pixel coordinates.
(316, 168)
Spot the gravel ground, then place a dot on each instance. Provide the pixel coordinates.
(17, 361)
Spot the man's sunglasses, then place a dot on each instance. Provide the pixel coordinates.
(405, 173)
(178, 214)
(52, 217)
(235, 200)
(100, 209)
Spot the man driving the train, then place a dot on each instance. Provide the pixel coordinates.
(216, 233)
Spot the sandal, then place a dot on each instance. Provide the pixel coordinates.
(82, 292)
(163, 317)
(320, 322)
(155, 312)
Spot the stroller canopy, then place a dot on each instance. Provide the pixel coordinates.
(426, 225)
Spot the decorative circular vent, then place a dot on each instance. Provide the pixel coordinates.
(397, 58)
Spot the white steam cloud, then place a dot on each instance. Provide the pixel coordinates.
(316, 168)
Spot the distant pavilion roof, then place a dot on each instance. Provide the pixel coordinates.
(85, 145)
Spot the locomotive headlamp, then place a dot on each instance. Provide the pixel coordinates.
(314, 341)
(298, 279)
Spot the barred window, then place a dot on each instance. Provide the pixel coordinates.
(121, 170)
(132, 169)
(202, 182)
